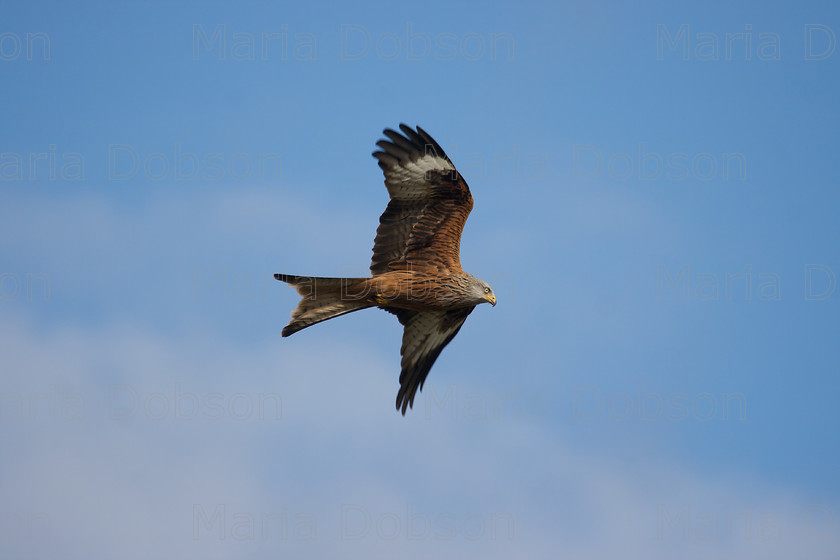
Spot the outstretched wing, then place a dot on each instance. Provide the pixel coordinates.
(426, 333)
(430, 201)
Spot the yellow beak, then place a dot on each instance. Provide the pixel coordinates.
(492, 299)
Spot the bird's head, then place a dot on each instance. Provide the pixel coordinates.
(482, 292)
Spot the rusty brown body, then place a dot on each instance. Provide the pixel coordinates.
(416, 269)
(410, 290)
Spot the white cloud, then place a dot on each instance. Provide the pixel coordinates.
(128, 487)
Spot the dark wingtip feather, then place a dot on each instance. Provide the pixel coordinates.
(411, 141)
(412, 135)
(427, 138)
(402, 401)
(385, 158)
(393, 150)
(400, 140)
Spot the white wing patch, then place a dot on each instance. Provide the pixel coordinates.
(407, 180)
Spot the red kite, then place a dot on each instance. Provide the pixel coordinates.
(416, 269)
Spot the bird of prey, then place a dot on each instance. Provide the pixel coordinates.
(416, 269)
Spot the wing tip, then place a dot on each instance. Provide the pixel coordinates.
(403, 403)
(413, 141)
(385, 159)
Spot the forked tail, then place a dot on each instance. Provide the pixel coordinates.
(324, 298)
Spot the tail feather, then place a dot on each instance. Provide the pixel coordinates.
(324, 298)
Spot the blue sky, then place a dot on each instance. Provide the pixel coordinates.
(655, 204)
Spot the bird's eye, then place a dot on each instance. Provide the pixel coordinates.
(486, 290)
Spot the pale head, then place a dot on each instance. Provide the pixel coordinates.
(481, 292)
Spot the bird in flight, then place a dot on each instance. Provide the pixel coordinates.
(416, 269)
